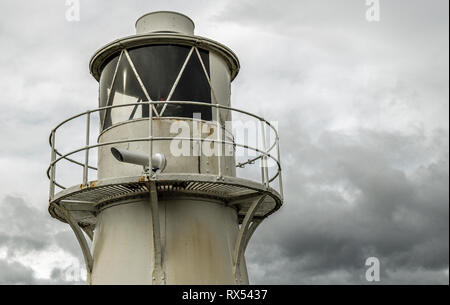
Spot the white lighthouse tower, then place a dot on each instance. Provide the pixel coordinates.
(168, 204)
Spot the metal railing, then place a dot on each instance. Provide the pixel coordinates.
(263, 153)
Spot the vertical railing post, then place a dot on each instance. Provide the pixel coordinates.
(150, 136)
(264, 161)
(86, 152)
(280, 179)
(219, 138)
(53, 165)
(263, 179)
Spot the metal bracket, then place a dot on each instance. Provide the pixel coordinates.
(246, 231)
(158, 273)
(89, 261)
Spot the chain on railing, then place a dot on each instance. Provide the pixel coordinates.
(264, 153)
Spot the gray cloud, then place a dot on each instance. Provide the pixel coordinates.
(66, 240)
(22, 227)
(363, 113)
(349, 198)
(15, 273)
(24, 230)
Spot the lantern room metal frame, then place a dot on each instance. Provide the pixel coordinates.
(79, 204)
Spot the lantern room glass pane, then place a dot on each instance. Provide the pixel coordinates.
(125, 90)
(158, 67)
(105, 84)
(193, 86)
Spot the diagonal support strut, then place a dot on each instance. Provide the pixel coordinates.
(248, 226)
(158, 272)
(89, 261)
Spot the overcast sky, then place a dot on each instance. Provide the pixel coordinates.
(363, 117)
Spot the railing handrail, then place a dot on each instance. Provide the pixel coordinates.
(264, 154)
(165, 102)
(168, 102)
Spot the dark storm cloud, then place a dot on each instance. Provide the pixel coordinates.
(23, 230)
(15, 273)
(22, 227)
(351, 197)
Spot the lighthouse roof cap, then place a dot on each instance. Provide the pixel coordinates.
(165, 22)
(162, 27)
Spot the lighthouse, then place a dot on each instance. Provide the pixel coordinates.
(170, 202)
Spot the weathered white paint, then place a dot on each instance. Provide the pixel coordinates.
(198, 238)
(109, 167)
